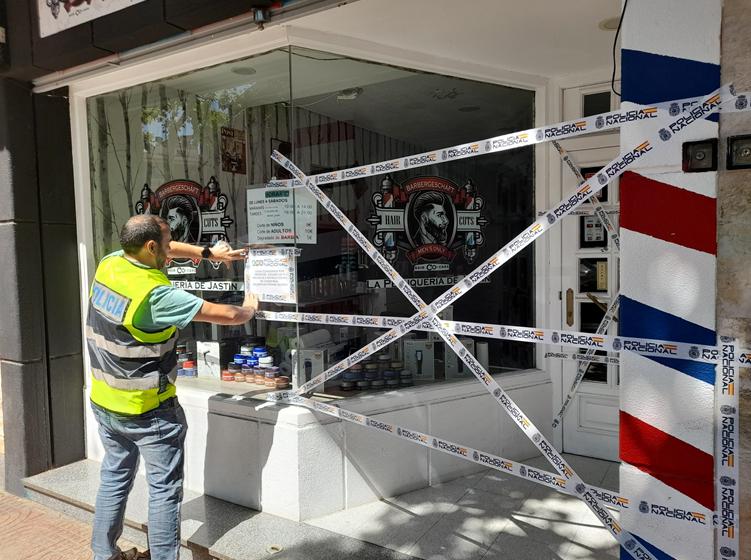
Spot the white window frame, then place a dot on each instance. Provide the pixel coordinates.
(238, 44)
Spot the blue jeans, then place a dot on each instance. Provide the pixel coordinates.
(159, 437)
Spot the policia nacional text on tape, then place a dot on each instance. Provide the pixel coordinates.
(614, 169)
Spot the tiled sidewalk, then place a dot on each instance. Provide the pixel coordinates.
(29, 531)
(487, 516)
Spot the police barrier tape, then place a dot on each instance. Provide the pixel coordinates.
(554, 337)
(726, 448)
(490, 384)
(612, 120)
(581, 370)
(708, 105)
(612, 500)
(602, 328)
(585, 358)
(598, 210)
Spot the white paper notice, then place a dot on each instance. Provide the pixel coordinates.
(271, 218)
(271, 274)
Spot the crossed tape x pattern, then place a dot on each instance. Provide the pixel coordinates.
(613, 170)
(504, 400)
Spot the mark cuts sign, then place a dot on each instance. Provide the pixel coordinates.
(195, 214)
(59, 15)
(430, 219)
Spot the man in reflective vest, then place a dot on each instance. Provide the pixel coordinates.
(131, 334)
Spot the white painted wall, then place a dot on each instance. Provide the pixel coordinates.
(297, 464)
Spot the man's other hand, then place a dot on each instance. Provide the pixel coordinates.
(222, 252)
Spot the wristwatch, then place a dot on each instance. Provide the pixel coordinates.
(206, 253)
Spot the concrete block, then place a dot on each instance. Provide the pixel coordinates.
(232, 470)
(68, 48)
(321, 456)
(140, 24)
(61, 289)
(380, 466)
(21, 307)
(466, 422)
(27, 438)
(57, 198)
(279, 458)
(189, 14)
(18, 176)
(66, 386)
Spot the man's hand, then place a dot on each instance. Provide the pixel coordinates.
(251, 301)
(222, 252)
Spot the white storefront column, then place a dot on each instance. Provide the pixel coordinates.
(670, 50)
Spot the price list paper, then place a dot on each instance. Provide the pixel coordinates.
(277, 215)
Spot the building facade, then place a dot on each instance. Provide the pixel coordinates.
(174, 108)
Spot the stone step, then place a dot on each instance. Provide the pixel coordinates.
(211, 528)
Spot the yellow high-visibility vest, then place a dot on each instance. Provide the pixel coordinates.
(133, 371)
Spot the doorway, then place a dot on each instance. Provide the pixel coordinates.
(589, 284)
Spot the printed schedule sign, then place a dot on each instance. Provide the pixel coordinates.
(58, 15)
(272, 219)
(271, 274)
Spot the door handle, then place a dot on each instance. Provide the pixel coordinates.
(570, 307)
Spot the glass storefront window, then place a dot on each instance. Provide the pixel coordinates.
(195, 149)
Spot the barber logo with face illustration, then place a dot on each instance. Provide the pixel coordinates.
(195, 214)
(429, 220)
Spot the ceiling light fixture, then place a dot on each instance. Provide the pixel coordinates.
(349, 94)
(610, 24)
(243, 70)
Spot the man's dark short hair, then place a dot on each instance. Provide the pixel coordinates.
(181, 204)
(139, 230)
(425, 200)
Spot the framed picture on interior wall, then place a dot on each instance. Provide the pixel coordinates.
(233, 150)
(284, 148)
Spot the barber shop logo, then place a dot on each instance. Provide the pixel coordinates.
(54, 5)
(428, 219)
(196, 214)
